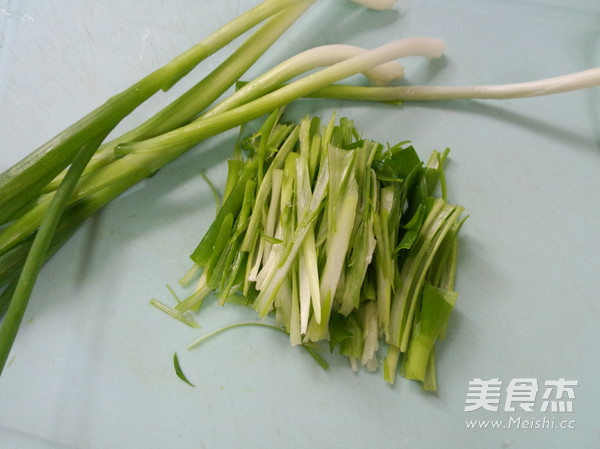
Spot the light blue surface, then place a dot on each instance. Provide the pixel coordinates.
(92, 365)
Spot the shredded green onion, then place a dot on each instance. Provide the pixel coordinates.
(178, 370)
(346, 241)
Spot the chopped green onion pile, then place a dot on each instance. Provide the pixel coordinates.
(341, 238)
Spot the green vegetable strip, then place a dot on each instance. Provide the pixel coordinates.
(288, 204)
(213, 189)
(384, 262)
(337, 248)
(283, 304)
(430, 382)
(178, 370)
(269, 229)
(220, 242)
(263, 188)
(312, 351)
(229, 269)
(230, 206)
(309, 270)
(234, 166)
(294, 327)
(436, 306)
(266, 130)
(24, 181)
(390, 363)
(39, 249)
(444, 272)
(194, 301)
(370, 335)
(174, 313)
(436, 226)
(362, 252)
(7, 294)
(273, 213)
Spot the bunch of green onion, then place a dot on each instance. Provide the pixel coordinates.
(342, 238)
(45, 197)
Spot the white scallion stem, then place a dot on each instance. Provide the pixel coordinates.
(303, 62)
(309, 271)
(547, 86)
(336, 251)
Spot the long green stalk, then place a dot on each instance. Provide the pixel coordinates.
(308, 347)
(24, 181)
(12, 261)
(39, 249)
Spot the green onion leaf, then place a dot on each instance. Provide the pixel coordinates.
(178, 370)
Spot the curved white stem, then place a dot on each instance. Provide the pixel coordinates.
(547, 86)
(415, 46)
(161, 149)
(313, 58)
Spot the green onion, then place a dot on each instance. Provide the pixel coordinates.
(24, 181)
(205, 92)
(360, 254)
(178, 370)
